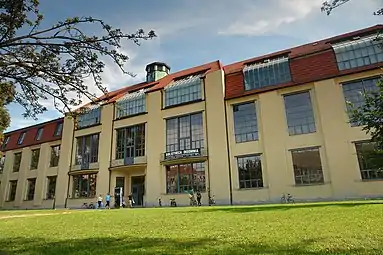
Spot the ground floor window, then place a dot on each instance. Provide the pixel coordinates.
(12, 190)
(31, 189)
(370, 161)
(51, 187)
(185, 177)
(250, 172)
(84, 186)
(307, 166)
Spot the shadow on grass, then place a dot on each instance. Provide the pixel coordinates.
(108, 245)
(283, 207)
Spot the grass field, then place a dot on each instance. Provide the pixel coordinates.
(322, 228)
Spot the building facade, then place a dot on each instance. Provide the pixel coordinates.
(244, 133)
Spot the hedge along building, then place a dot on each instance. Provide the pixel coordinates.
(246, 132)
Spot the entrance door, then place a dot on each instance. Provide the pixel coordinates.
(120, 182)
(138, 189)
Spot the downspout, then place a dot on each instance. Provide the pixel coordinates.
(228, 152)
(70, 164)
(111, 149)
(207, 139)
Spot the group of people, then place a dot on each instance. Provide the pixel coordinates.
(108, 198)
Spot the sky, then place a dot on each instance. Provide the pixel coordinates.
(191, 33)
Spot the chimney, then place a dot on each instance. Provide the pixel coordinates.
(156, 71)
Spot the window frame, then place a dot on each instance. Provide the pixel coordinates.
(18, 155)
(39, 133)
(311, 171)
(92, 155)
(58, 129)
(34, 165)
(48, 194)
(21, 138)
(137, 134)
(90, 176)
(360, 163)
(54, 162)
(260, 182)
(30, 196)
(254, 133)
(91, 115)
(175, 139)
(310, 129)
(196, 167)
(11, 197)
(135, 101)
(182, 91)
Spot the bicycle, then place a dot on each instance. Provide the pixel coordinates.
(87, 206)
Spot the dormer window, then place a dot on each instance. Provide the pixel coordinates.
(39, 134)
(21, 138)
(59, 129)
(183, 91)
(131, 104)
(5, 142)
(358, 52)
(269, 72)
(91, 117)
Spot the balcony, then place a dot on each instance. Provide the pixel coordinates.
(181, 156)
(84, 164)
(128, 161)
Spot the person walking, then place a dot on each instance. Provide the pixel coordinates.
(199, 196)
(130, 198)
(107, 200)
(99, 201)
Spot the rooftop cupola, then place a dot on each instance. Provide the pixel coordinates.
(156, 71)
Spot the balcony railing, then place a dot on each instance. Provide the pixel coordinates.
(184, 154)
(128, 161)
(84, 164)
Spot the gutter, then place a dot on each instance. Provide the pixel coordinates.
(111, 145)
(207, 139)
(70, 164)
(228, 153)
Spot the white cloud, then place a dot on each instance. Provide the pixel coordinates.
(259, 20)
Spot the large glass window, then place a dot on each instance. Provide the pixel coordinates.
(184, 133)
(84, 186)
(12, 190)
(89, 118)
(51, 187)
(55, 156)
(356, 53)
(16, 161)
(353, 93)
(185, 177)
(307, 166)
(131, 104)
(87, 150)
(130, 142)
(31, 189)
(273, 72)
(183, 91)
(370, 161)
(35, 159)
(245, 122)
(250, 172)
(299, 113)
(2, 163)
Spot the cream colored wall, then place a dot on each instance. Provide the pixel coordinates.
(333, 135)
(41, 173)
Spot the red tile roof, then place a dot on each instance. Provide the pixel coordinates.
(308, 63)
(30, 136)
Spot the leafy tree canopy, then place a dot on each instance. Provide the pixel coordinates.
(51, 63)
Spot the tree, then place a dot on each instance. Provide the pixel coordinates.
(370, 114)
(51, 63)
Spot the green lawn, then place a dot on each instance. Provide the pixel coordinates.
(323, 228)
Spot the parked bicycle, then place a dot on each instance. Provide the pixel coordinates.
(173, 202)
(287, 199)
(87, 206)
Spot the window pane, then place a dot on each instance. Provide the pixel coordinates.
(370, 161)
(357, 53)
(184, 133)
(185, 177)
(87, 150)
(250, 172)
(55, 156)
(35, 159)
(183, 91)
(299, 114)
(17, 162)
(12, 190)
(84, 186)
(353, 93)
(245, 122)
(31, 189)
(130, 142)
(131, 104)
(262, 75)
(51, 187)
(89, 118)
(307, 166)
